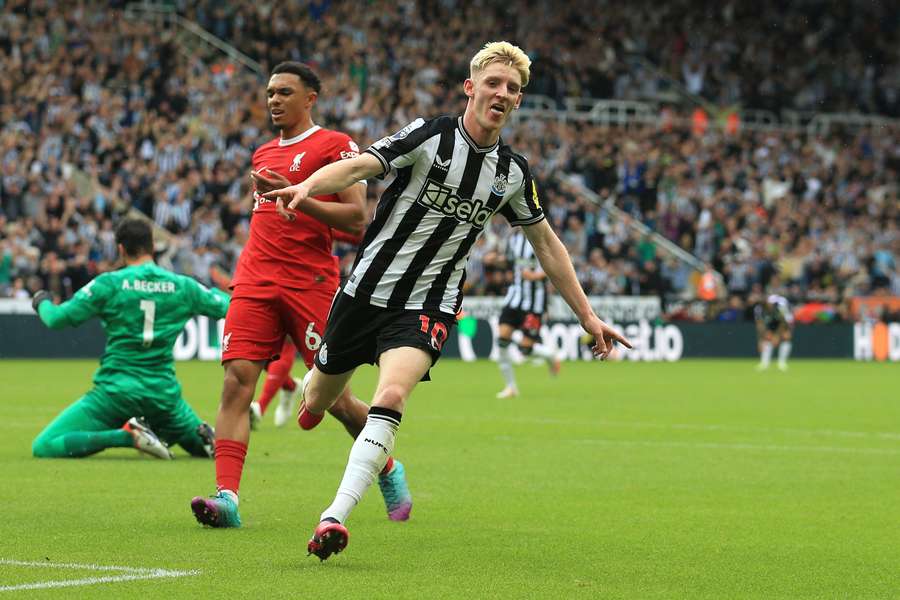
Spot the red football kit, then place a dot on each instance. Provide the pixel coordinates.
(286, 275)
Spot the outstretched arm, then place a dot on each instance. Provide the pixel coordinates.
(210, 302)
(85, 304)
(330, 179)
(557, 265)
(348, 214)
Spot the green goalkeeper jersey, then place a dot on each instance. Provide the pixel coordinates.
(143, 309)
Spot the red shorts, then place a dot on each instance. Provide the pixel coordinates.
(260, 316)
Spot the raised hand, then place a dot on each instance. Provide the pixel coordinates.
(293, 195)
(39, 297)
(267, 180)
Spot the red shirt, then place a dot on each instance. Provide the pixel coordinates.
(295, 254)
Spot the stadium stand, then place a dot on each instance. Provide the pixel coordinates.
(103, 115)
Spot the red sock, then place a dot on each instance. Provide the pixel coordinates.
(289, 384)
(230, 455)
(388, 466)
(277, 374)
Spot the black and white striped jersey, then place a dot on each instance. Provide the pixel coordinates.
(774, 311)
(414, 253)
(523, 294)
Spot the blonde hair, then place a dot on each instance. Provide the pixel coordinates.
(501, 52)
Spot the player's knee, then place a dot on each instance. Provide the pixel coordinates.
(237, 387)
(321, 396)
(391, 396)
(40, 448)
(231, 386)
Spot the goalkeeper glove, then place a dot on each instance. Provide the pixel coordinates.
(39, 297)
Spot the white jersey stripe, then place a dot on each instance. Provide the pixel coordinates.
(415, 255)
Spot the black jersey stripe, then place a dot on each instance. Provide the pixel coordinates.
(404, 141)
(439, 169)
(443, 159)
(440, 234)
(530, 189)
(438, 289)
(389, 250)
(415, 255)
(383, 210)
(523, 294)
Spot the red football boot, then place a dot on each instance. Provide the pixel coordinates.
(329, 538)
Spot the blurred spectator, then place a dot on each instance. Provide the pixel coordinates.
(100, 115)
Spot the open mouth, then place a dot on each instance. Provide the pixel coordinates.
(276, 112)
(497, 108)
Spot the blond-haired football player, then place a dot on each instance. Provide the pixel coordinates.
(451, 175)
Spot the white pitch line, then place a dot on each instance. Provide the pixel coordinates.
(38, 563)
(129, 574)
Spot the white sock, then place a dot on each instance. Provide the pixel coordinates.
(506, 368)
(542, 351)
(784, 350)
(466, 350)
(368, 456)
(766, 356)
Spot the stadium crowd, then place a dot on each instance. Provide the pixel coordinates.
(808, 55)
(100, 115)
(772, 54)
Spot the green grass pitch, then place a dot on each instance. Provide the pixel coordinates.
(698, 479)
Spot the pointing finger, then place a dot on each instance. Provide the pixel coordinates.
(279, 208)
(621, 339)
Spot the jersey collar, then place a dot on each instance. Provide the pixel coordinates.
(300, 137)
(471, 142)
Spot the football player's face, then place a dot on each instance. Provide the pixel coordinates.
(288, 99)
(495, 92)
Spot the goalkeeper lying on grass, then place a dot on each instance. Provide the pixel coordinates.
(136, 400)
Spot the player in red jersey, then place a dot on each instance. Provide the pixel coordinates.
(284, 283)
(278, 372)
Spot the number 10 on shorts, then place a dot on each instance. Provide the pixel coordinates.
(438, 331)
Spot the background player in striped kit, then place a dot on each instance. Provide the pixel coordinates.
(774, 326)
(523, 309)
(400, 303)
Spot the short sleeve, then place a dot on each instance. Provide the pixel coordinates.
(344, 147)
(524, 207)
(207, 301)
(402, 148)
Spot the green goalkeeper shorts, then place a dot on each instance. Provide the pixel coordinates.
(100, 410)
